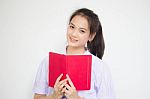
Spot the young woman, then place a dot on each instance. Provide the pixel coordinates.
(84, 36)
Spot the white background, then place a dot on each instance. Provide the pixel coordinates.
(30, 29)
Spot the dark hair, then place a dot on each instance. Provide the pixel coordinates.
(97, 45)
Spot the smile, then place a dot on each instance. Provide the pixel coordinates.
(73, 40)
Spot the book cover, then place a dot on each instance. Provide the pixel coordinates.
(78, 67)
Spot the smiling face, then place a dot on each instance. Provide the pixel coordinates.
(78, 32)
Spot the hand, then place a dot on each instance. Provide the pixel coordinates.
(70, 90)
(59, 85)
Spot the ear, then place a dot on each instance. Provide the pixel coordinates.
(92, 37)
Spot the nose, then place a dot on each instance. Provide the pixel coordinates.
(74, 33)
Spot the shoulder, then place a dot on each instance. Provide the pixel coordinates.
(99, 67)
(45, 60)
(43, 65)
(97, 62)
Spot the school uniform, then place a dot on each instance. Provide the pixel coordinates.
(101, 81)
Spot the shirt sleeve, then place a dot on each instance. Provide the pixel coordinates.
(41, 82)
(103, 85)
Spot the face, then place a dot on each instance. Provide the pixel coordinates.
(78, 32)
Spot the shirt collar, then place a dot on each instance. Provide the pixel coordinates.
(63, 51)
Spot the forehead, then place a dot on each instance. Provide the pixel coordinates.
(80, 22)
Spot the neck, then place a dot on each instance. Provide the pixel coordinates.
(75, 50)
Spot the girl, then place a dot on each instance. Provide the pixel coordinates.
(84, 36)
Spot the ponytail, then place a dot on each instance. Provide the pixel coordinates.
(97, 45)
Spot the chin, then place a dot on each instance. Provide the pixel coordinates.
(72, 45)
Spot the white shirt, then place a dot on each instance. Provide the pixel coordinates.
(101, 82)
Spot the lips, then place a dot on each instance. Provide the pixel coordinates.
(73, 40)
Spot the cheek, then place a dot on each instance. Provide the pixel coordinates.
(68, 31)
(84, 39)
(85, 36)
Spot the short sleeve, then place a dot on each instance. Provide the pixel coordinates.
(41, 82)
(104, 84)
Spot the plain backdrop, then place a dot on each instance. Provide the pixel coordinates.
(29, 29)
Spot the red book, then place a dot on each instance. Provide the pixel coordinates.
(78, 67)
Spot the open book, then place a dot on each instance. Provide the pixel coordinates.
(78, 67)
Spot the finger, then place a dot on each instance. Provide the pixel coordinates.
(61, 82)
(68, 87)
(62, 85)
(67, 92)
(58, 79)
(63, 90)
(70, 82)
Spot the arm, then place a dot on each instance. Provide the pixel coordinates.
(41, 84)
(57, 94)
(104, 87)
(42, 96)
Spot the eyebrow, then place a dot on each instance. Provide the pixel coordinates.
(80, 27)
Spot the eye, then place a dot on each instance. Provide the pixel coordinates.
(82, 31)
(72, 27)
